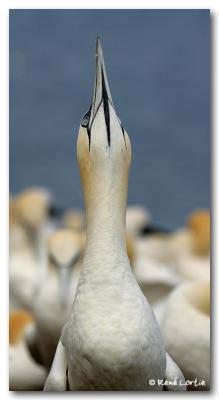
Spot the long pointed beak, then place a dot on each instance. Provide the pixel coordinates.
(65, 272)
(101, 95)
(101, 85)
(64, 281)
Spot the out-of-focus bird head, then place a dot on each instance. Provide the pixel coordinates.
(64, 252)
(199, 226)
(32, 207)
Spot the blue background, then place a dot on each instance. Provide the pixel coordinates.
(158, 64)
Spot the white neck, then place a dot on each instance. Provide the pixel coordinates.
(105, 203)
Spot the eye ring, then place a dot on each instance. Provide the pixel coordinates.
(86, 118)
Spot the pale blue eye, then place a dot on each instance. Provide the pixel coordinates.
(86, 118)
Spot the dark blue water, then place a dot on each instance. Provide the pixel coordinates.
(158, 66)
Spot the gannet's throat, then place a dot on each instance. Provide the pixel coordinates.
(101, 97)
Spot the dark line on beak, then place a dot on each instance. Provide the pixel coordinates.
(89, 136)
(106, 107)
(95, 90)
(95, 115)
(123, 132)
(86, 121)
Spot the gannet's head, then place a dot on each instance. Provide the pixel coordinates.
(103, 144)
(32, 207)
(64, 251)
(18, 237)
(200, 297)
(136, 218)
(199, 226)
(18, 321)
(75, 220)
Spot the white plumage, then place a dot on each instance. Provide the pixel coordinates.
(112, 340)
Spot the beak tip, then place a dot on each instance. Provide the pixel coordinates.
(98, 40)
(100, 80)
(98, 47)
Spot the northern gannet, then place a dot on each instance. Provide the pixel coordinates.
(185, 325)
(24, 372)
(155, 279)
(30, 214)
(136, 218)
(54, 299)
(112, 340)
(75, 220)
(189, 248)
(138, 223)
(200, 224)
(168, 260)
(18, 238)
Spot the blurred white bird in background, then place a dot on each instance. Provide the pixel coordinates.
(53, 302)
(29, 226)
(185, 325)
(24, 372)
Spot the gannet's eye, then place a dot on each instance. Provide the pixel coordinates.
(86, 118)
